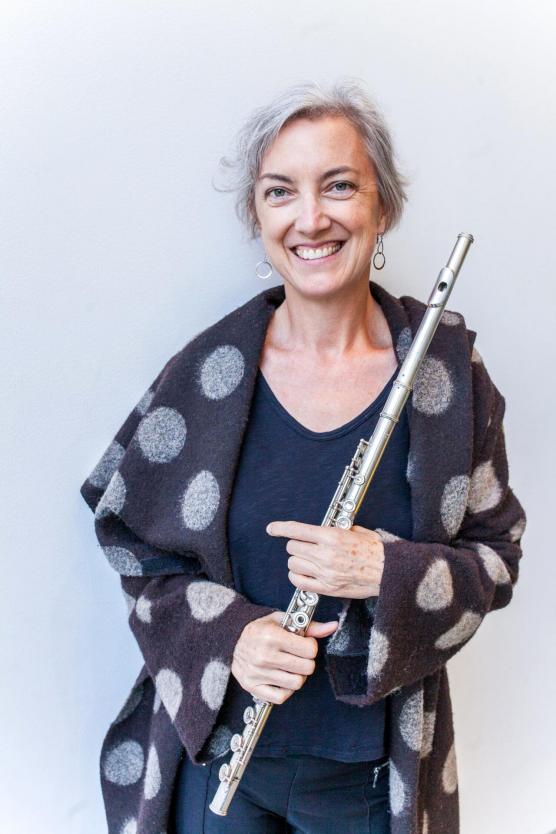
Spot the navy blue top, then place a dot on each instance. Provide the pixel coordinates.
(288, 472)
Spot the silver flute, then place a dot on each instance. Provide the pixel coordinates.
(347, 500)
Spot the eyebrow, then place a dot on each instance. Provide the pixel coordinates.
(343, 169)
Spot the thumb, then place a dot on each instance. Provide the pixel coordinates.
(318, 629)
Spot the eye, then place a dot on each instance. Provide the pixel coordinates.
(343, 190)
(276, 188)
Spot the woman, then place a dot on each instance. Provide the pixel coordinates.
(208, 503)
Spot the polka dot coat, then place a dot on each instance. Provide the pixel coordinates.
(160, 494)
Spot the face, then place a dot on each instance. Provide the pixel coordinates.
(304, 206)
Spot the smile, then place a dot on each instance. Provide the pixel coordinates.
(326, 253)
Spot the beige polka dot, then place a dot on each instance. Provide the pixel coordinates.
(494, 565)
(129, 826)
(411, 720)
(152, 774)
(113, 497)
(221, 372)
(454, 503)
(107, 465)
(449, 772)
(517, 530)
(214, 682)
(161, 434)
(425, 823)
(435, 591)
(207, 600)
(123, 561)
(485, 491)
(145, 401)
(397, 790)
(429, 719)
(170, 689)
(433, 388)
(386, 536)
(220, 740)
(200, 501)
(378, 653)
(467, 624)
(143, 609)
(129, 601)
(450, 318)
(156, 702)
(403, 343)
(476, 356)
(123, 764)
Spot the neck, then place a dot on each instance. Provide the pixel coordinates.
(347, 324)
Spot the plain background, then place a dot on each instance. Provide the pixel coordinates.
(116, 250)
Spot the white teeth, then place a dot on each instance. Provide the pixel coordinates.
(312, 254)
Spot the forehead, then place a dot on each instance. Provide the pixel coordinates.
(309, 145)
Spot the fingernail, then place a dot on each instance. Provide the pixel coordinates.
(269, 528)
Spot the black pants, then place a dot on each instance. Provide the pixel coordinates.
(295, 794)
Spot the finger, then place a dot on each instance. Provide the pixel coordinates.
(274, 694)
(309, 583)
(302, 566)
(296, 530)
(296, 665)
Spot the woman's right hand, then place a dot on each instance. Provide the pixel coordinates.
(271, 662)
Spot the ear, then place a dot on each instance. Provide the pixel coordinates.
(381, 227)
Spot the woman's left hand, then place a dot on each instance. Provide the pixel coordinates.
(332, 561)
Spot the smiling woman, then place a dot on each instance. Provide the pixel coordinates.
(209, 500)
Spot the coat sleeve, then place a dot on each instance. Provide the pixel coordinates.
(186, 626)
(433, 596)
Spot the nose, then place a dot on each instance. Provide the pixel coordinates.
(311, 218)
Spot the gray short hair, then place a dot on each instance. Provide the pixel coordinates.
(309, 99)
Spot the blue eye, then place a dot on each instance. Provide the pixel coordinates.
(344, 182)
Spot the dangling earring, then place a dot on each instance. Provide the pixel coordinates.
(267, 262)
(379, 254)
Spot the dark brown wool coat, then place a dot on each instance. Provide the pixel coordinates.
(160, 494)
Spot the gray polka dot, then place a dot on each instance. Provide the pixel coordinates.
(221, 372)
(403, 343)
(397, 790)
(433, 388)
(454, 503)
(145, 401)
(435, 591)
(207, 600)
(200, 501)
(476, 356)
(134, 699)
(450, 318)
(220, 740)
(517, 531)
(123, 764)
(386, 536)
(113, 498)
(107, 465)
(378, 653)
(338, 643)
(214, 682)
(411, 721)
(449, 772)
(129, 601)
(143, 609)
(411, 470)
(152, 774)
(485, 491)
(429, 720)
(123, 561)
(170, 690)
(161, 434)
(467, 624)
(494, 565)
(129, 826)
(156, 702)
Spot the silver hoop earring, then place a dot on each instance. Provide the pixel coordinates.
(261, 263)
(379, 254)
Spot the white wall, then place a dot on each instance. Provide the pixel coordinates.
(116, 250)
